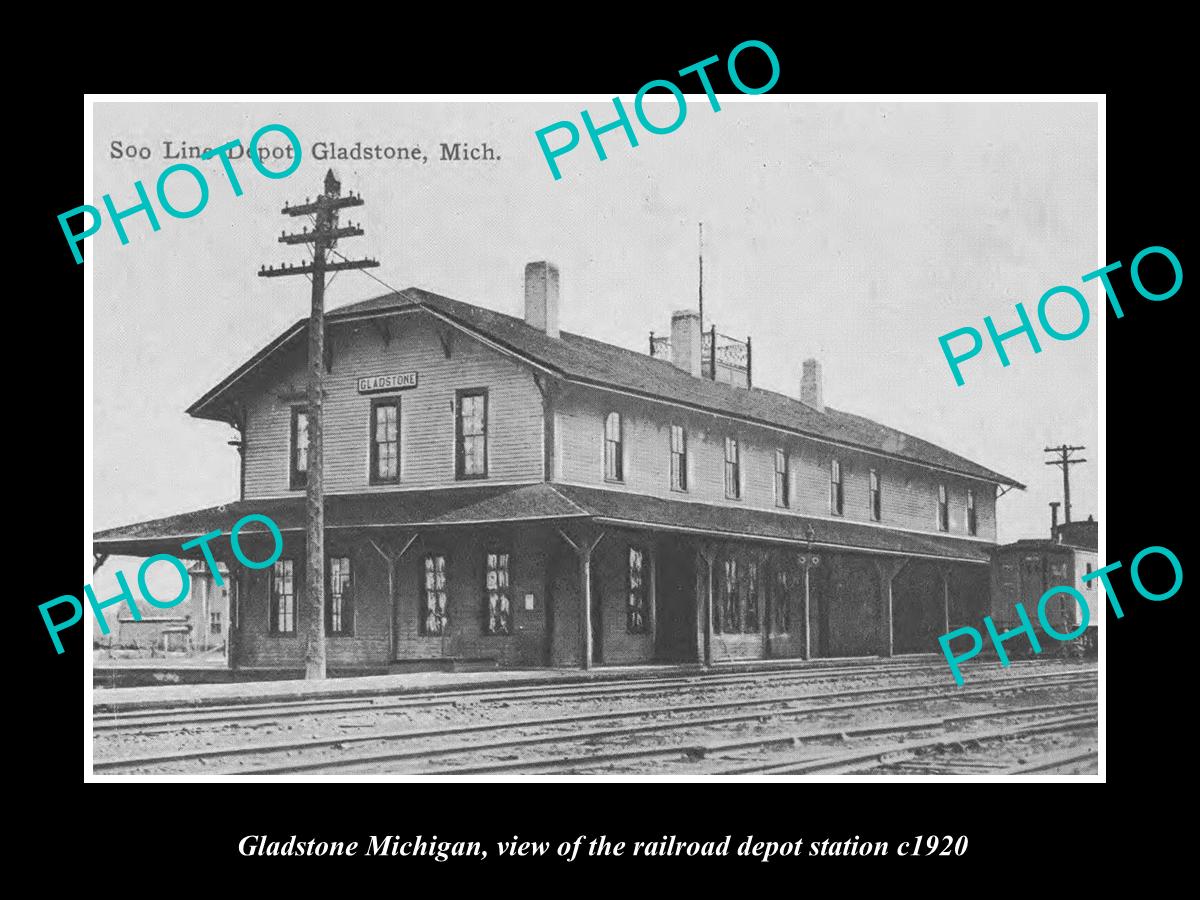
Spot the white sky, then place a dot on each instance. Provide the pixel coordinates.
(857, 233)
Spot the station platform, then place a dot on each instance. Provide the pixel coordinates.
(271, 686)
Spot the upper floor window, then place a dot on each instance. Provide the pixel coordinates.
(298, 466)
(635, 620)
(214, 622)
(1087, 585)
(835, 488)
(385, 440)
(612, 448)
(339, 618)
(283, 597)
(782, 497)
(678, 458)
(943, 512)
(875, 498)
(431, 617)
(499, 594)
(971, 521)
(733, 480)
(471, 434)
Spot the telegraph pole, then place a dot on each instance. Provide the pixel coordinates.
(1065, 462)
(323, 238)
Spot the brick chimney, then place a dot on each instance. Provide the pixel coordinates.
(685, 341)
(1054, 521)
(541, 296)
(811, 392)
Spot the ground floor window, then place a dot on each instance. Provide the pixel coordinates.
(432, 616)
(750, 599)
(780, 600)
(339, 616)
(214, 622)
(499, 597)
(726, 618)
(283, 597)
(636, 613)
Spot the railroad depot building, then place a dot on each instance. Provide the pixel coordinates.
(501, 491)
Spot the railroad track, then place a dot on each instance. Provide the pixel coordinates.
(847, 700)
(580, 763)
(270, 711)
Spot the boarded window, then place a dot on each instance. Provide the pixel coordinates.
(613, 469)
(835, 488)
(875, 498)
(339, 615)
(471, 426)
(733, 480)
(782, 496)
(635, 620)
(283, 597)
(298, 466)
(971, 521)
(498, 593)
(943, 516)
(678, 458)
(385, 441)
(432, 615)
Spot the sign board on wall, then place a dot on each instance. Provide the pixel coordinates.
(378, 384)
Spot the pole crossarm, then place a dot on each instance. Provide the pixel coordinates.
(323, 204)
(311, 237)
(309, 268)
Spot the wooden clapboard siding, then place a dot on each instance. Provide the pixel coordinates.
(909, 490)
(515, 451)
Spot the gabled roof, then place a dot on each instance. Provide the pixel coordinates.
(541, 502)
(587, 361)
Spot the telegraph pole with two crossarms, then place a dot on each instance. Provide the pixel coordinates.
(323, 238)
(1065, 462)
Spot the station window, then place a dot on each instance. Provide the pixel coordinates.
(875, 498)
(214, 622)
(496, 586)
(1089, 585)
(339, 610)
(471, 434)
(298, 465)
(733, 480)
(635, 620)
(432, 615)
(750, 599)
(781, 601)
(613, 448)
(943, 511)
(835, 488)
(283, 597)
(726, 618)
(782, 497)
(971, 521)
(678, 458)
(385, 440)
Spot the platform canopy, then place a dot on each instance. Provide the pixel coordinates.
(483, 505)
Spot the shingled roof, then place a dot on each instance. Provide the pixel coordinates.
(540, 502)
(584, 360)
